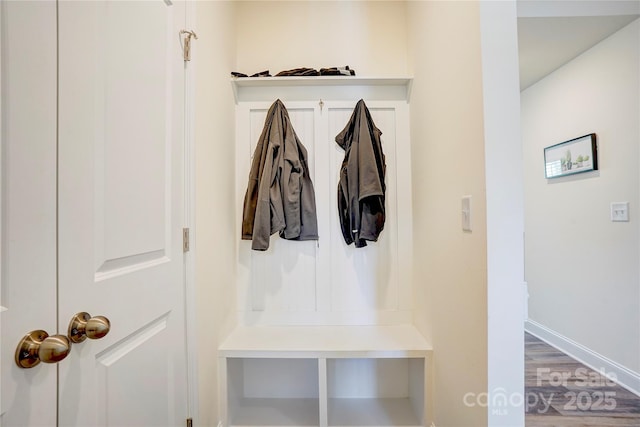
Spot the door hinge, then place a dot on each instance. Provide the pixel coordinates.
(189, 422)
(186, 48)
(185, 240)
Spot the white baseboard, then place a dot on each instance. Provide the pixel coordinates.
(624, 377)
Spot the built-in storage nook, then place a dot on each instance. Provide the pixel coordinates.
(324, 333)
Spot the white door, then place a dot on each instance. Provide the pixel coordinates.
(117, 210)
(28, 263)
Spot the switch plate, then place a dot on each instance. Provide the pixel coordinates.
(466, 213)
(620, 211)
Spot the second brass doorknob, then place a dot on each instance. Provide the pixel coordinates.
(83, 326)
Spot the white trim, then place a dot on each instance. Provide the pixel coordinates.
(335, 88)
(625, 377)
(504, 214)
(189, 218)
(2, 193)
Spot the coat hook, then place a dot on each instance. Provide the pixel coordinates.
(187, 43)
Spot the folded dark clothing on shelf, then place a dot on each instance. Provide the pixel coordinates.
(262, 74)
(337, 71)
(298, 72)
(303, 71)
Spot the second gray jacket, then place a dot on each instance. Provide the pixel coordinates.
(361, 190)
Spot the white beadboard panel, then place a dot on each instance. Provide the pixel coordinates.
(283, 277)
(364, 278)
(328, 282)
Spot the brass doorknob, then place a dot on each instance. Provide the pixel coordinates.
(83, 326)
(38, 346)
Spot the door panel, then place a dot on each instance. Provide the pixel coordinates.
(134, 129)
(132, 135)
(125, 387)
(121, 210)
(28, 246)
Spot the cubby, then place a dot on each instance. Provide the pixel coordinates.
(273, 391)
(375, 391)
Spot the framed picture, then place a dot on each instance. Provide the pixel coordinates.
(570, 157)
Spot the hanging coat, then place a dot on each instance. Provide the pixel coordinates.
(361, 190)
(280, 196)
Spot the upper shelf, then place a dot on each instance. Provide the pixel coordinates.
(318, 87)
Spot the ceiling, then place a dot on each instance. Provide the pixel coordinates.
(545, 44)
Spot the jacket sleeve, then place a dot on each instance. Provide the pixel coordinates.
(291, 177)
(371, 173)
(269, 217)
(255, 176)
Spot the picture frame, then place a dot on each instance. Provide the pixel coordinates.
(577, 155)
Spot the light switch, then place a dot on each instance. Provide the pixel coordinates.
(466, 213)
(620, 211)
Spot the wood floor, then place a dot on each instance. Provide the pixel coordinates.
(562, 392)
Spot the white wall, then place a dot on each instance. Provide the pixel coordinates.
(447, 136)
(370, 37)
(215, 237)
(465, 141)
(582, 269)
(505, 212)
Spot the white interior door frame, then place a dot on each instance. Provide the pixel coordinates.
(189, 216)
(2, 309)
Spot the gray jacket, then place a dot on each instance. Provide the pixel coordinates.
(280, 196)
(361, 190)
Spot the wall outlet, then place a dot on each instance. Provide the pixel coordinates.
(620, 211)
